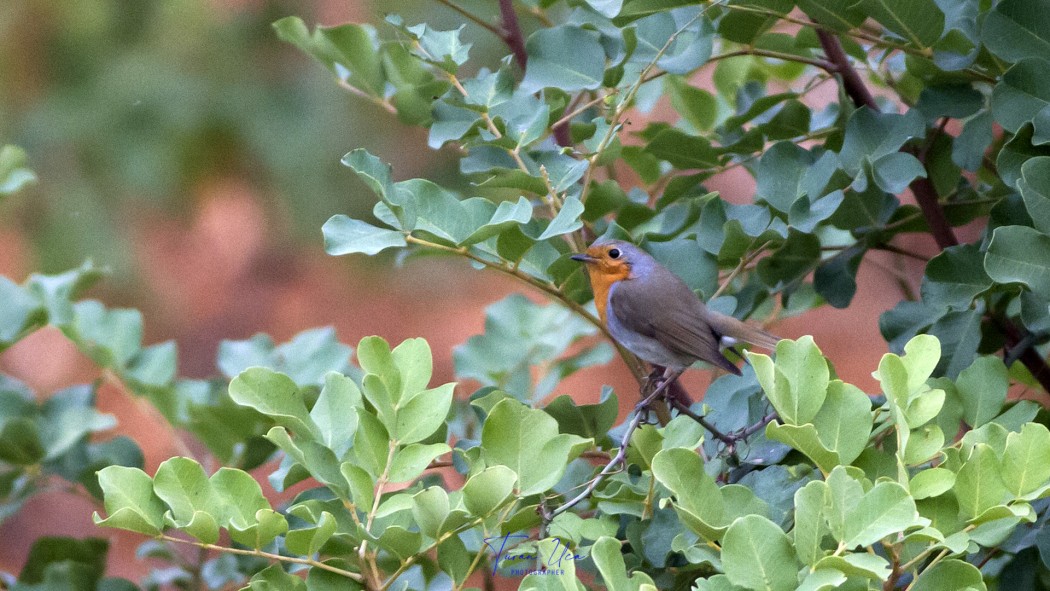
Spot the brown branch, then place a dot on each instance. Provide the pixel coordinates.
(511, 34)
(515, 40)
(851, 81)
(929, 204)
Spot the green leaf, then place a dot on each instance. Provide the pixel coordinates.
(823, 579)
(66, 563)
(308, 541)
(567, 220)
(682, 150)
(700, 502)
(757, 554)
(1021, 93)
(349, 51)
(273, 578)
(1026, 460)
(274, 395)
(931, 482)
(798, 382)
(110, 337)
(521, 335)
(780, 172)
(243, 509)
(1034, 186)
(423, 414)
(409, 462)
(840, 15)
(884, 510)
(527, 441)
(982, 388)
(585, 420)
(488, 490)
(430, 507)
(183, 485)
(20, 314)
(950, 575)
(1016, 29)
(609, 560)
(810, 526)
(441, 48)
(858, 564)
(344, 235)
(334, 413)
(14, 176)
(306, 358)
(130, 501)
(894, 172)
(1020, 254)
(565, 57)
(979, 486)
(920, 22)
(955, 277)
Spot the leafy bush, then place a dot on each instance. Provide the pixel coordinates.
(784, 478)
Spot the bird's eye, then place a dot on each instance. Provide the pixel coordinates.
(614, 253)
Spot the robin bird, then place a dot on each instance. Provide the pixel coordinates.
(653, 313)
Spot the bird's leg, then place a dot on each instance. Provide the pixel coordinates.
(670, 375)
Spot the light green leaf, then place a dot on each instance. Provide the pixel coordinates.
(307, 541)
(430, 507)
(757, 554)
(567, 220)
(950, 575)
(1026, 461)
(822, 580)
(14, 175)
(700, 503)
(344, 235)
(810, 526)
(334, 413)
(979, 486)
(182, 484)
(885, 509)
(858, 564)
(410, 461)
(130, 501)
(487, 490)
(798, 382)
(423, 414)
(566, 57)
(274, 395)
(982, 388)
(931, 482)
(608, 558)
(527, 441)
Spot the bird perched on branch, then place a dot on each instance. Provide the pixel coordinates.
(653, 313)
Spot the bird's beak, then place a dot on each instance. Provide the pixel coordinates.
(583, 258)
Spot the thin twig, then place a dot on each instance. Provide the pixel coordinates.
(511, 34)
(621, 456)
(268, 555)
(473, 18)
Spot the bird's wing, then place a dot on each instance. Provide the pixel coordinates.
(679, 327)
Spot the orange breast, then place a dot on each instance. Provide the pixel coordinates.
(602, 279)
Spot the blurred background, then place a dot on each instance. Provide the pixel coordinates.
(187, 149)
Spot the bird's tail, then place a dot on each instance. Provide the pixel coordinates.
(741, 331)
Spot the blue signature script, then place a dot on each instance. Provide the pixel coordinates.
(503, 555)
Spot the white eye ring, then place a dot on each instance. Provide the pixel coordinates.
(614, 253)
